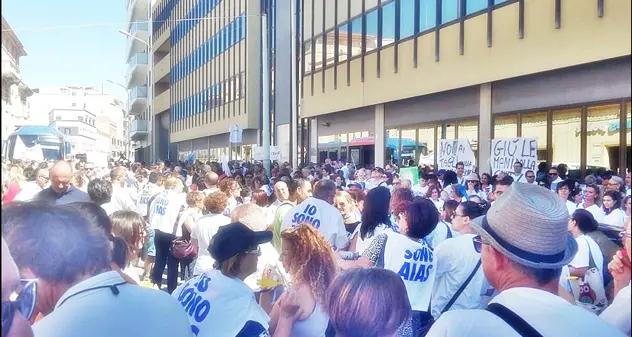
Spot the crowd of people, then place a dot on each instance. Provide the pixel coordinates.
(228, 249)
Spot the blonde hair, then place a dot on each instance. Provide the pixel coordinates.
(171, 183)
(195, 199)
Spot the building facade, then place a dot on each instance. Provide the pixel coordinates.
(138, 77)
(385, 80)
(14, 91)
(84, 113)
(207, 76)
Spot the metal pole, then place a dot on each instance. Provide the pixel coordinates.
(265, 90)
(294, 141)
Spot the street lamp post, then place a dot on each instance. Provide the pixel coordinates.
(150, 82)
(128, 141)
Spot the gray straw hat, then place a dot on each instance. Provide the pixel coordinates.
(529, 225)
(471, 177)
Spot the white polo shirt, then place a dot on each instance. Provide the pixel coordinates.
(548, 313)
(619, 313)
(101, 313)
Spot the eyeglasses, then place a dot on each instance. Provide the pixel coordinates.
(24, 303)
(478, 243)
(624, 235)
(530, 177)
(256, 252)
(454, 215)
(552, 174)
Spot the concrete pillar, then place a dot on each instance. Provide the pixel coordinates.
(313, 140)
(484, 128)
(380, 145)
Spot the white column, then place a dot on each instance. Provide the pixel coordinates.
(380, 145)
(484, 128)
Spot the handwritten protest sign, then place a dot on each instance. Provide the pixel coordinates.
(452, 151)
(507, 151)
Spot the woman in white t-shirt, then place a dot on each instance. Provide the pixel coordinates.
(130, 227)
(581, 223)
(434, 194)
(186, 225)
(375, 219)
(611, 207)
(408, 255)
(456, 259)
(591, 200)
(473, 187)
(205, 228)
(232, 189)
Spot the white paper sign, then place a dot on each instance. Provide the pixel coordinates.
(507, 151)
(275, 153)
(33, 153)
(452, 151)
(236, 133)
(258, 153)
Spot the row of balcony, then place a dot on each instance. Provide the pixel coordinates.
(138, 130)
(11, 71)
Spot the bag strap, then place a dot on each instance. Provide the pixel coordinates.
(175, 225)
(591, 261)
(513, 320)
(449, 235)
(462, 288)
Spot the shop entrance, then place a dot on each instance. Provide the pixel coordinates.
(613, 155)
(362, 156)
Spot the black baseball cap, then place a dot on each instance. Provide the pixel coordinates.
(234, 239)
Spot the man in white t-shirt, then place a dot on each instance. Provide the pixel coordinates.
(121, 198)
(211, 181)
(525, 269)
(319, 212)
(517, 173)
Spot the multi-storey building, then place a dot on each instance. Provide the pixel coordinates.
(14, 90)
(88, 109)
(385, 80)
(138, 56)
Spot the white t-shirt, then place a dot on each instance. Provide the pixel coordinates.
(148, 192)
(420, 191)
(455, 260)
(322, 216)
(438, 204)
(189, 213)
(440, 233)
(570, 206)
(595, 210)
(615, 218)
(582, 258)
(28, 191)
(413, 261)
(164, 210)
(548, 313)
(221, 306)
(205, 228)
(209, 191)
(619, 313)
(121, 199)
(269, 258)
(363, 244)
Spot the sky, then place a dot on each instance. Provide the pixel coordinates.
(70, 42)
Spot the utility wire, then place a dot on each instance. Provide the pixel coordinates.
(103, 24)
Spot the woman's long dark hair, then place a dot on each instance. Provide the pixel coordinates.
(376, 210)
(616, 198)
(585, 221)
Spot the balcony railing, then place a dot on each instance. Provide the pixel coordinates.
(139, 27)
(138, 92)
(139, 125)
(140, 59)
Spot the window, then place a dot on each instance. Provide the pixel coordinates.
(388, 24)
(449, 10)
(80, 118)
(406, 18)
(371, 30)
(566, 140)
(603, 137)
(427, 143)
(534, 125)
(473, 6)
(57, 118)
(427, 15)
(74, 105)
(506, 126)
(74, 93)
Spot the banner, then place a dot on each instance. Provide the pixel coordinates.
(258, 153)
(33, 153)
(410, 173)
(452, 151)
(275, 153)
(507, 151)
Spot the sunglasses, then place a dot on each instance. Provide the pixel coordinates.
(256, 252)
(624, 235)
(24, 303)
(552, 174)
(478, 243)
(530, 177)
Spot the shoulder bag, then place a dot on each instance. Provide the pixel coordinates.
(589, 291)
(182, 248)
(521, 326)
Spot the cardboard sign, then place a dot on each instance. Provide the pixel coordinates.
(507, 151)
(258, 153)
(452, 151)
(275, 153)
(410, 173)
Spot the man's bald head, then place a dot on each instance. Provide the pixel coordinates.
(211, 179)
(250, 215)
(281, 191)
(60, 175)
